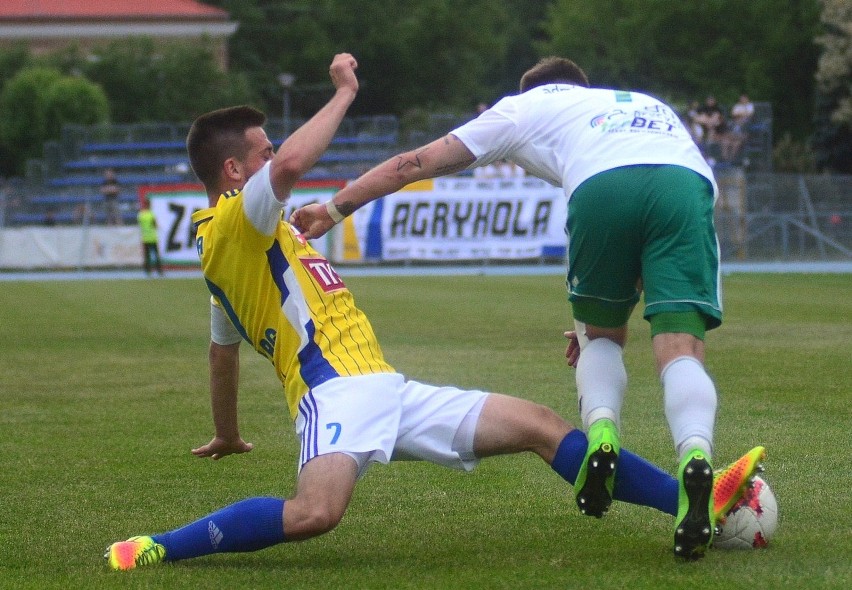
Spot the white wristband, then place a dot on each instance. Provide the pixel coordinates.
(334, 212)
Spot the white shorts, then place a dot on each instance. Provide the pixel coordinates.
(383, 417)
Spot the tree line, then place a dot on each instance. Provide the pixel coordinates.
(447, 56)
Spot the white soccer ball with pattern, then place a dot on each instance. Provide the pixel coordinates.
(751, 523)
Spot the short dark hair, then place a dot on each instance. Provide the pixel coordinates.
(218, 135)
(552, 70)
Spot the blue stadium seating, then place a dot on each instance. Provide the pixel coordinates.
(155, 153)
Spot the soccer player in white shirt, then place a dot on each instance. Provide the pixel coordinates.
(640, 216)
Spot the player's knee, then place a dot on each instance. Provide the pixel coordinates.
(617, 335)
(305, 520)
(545, 426)
(321, 519)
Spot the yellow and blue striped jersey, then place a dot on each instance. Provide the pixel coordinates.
(284, 298)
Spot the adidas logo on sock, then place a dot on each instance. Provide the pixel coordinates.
(215, 534)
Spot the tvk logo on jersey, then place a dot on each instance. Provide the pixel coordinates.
(323, 273)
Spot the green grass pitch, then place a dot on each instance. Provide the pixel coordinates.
(103, 391)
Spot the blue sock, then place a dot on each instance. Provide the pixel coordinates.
(248, 525)
(570, 454)
(637, 481)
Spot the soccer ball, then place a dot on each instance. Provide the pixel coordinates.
(752, 521)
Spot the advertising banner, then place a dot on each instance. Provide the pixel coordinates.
(69, 247)
(173, 206)
(455, 218)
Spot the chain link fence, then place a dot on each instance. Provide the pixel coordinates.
(770, 216)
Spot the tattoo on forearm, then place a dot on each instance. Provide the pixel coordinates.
(451, 168)
(414, 161)
(346, 208)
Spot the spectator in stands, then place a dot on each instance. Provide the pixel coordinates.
(50, 217)
(148, 230)
(712, 120)
(741, 115)
(81, 213)
(742, 112)
(110, 190)
(692, 123)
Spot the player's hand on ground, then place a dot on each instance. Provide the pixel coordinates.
(312, 220)
(572, 352)
(342, 72)
(220, 447)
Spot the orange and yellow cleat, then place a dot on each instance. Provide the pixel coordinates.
(730, 483)
(135, 551)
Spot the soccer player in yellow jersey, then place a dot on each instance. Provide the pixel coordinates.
(272, 289)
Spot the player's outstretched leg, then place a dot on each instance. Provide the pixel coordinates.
(596, 478)
(730, 483)
(134, 552)
(694, 524)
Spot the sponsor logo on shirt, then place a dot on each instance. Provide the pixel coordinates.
(324, 275)
(654, 119)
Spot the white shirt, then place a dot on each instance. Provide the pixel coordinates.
(264, 211)
(742, 111)
(566, 134)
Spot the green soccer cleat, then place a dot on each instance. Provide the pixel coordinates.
(730, 483)
(695, 522)
(596, 479)
(135, 551)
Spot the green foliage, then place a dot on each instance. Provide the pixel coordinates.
(11, 61)
(833, 111)
(23, 114)
(126, 71)
(434, 54)
(174, 82)
(789, 155)
(35, 103)
(128, 81)
(74, 100)
(688, 50)
(446, 56)
(105, 391)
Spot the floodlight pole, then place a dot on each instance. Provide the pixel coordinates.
(286, 80)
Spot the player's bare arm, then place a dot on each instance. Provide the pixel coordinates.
(305, 146)
(447, 155)
(224, 383)
(443, 156)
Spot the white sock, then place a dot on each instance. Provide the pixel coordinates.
(601, 381)
(690, 401)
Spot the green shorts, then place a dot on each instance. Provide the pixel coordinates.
(653, 222)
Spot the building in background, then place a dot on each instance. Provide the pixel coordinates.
(48, 25)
